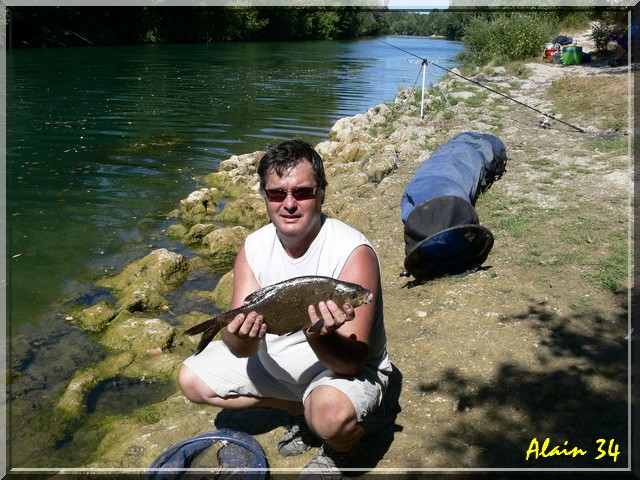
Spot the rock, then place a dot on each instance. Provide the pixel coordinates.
(218, 180)
(348, 127)
(328, 150)
(242, 165)
(97, 317)
(199, 206)
(176, 231)
(142, 283)
(189, 320)
(221, 246)
(379, 115)
(237, 176)
(381, 165)
(138, 333)
(73, 400)
(354, 151)
(348, 180)
(462, 95)
(248, 211)
(198, 232)
(192, 319)
(144, 298)
(221, 295)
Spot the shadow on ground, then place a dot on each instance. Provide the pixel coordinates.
(581, 400)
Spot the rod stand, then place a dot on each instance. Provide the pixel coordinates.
(424, 67)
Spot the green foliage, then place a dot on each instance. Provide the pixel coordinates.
(599, 34)
(572, 19)
(72, 26)
(446, 24)
(507, 37)
(609, 22)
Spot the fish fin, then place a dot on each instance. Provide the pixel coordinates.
(207, 336)
(201, 327)
(316, 326)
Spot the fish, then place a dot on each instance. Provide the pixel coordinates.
(284, 305)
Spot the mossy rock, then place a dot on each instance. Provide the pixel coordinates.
(192, 319)
(221, 295)
(189, 320)
(248, 211)
(142, 283)
(73, 400)
(196, 234)
(177, 232)
(221, 246)
(96, 317)
(218, 180)
(138, 333)
(200, 206)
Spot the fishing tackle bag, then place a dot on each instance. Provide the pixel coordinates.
(442, 230)
(240, 457)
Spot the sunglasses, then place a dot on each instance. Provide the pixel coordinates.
(299, 193)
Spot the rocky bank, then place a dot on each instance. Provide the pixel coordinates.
(463, 349)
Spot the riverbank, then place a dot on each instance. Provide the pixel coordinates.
(532, 347)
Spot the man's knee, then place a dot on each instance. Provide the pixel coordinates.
(330, 412)
(192, 387)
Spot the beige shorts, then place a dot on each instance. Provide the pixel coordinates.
(228, 375)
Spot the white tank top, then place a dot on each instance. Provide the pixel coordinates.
(289, 357)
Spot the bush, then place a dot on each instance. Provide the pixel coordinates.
(600, 32)
(507, 37)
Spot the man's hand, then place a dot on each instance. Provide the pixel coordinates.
(250, 326)
(331, 315)
(243, 334)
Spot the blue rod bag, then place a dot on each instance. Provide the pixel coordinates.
(442, 231)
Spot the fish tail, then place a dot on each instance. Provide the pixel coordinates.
(207, 336)
(210, 328)
(201, 327)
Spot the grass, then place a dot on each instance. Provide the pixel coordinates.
(611, 271)
(562, 238)
(542, 163)
(616, 144)
(577, 98)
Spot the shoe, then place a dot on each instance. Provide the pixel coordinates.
(328, 464)
(297, 439)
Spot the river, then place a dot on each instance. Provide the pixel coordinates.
(103, 142)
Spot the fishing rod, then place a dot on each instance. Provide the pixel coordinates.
(545, 115)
